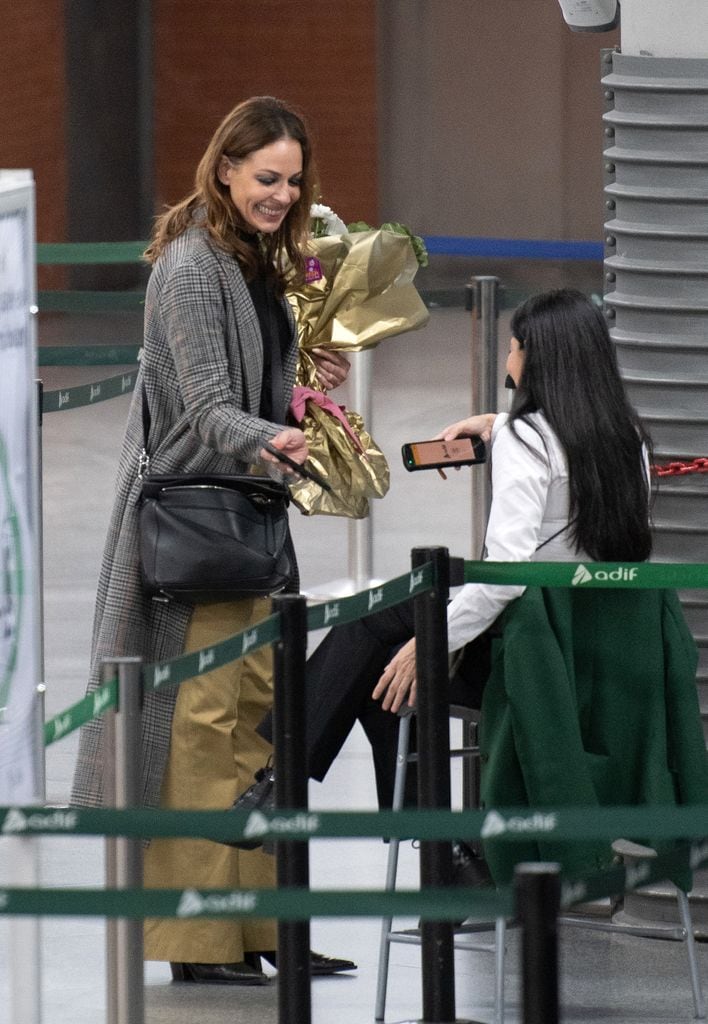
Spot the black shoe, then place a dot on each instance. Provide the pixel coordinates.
(469, 870)
(260, 796)
(319, 963)
(219, 974)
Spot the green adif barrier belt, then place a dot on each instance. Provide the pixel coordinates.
(348, 609)
(91, 302)
(299, 904)
(186, 666)
(88, 355)
(90, 706)
(285, 904)
(76, 253)
(640, 575)
(89, 394)
(510, 824)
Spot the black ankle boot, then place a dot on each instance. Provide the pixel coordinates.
(242, 973)
(320, 964)
(469, 870)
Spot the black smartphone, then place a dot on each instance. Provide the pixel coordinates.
(302, 470)
(463, 451)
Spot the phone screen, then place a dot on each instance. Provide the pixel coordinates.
(433, 454)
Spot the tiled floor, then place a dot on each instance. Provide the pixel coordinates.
(420, 384)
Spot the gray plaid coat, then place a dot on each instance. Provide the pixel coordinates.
(201, 365)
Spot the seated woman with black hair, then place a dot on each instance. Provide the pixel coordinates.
(570, 481)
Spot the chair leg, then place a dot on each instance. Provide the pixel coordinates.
(391, 874)
(470, 768)
(404, 730)
(499, 957)
(385, 944)
(696, 987)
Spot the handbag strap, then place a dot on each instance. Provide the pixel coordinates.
(144, 458)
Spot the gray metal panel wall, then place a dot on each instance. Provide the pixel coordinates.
(656, 285)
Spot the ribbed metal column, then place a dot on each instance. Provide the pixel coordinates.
(656, 270)
(656, 166)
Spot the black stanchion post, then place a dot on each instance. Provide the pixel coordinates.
(537, 906)
(437, 949)
(289, 655)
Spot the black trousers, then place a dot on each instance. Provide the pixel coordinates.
(341, 675)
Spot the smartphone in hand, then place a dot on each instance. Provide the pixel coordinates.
(301, 470)
(462, 451)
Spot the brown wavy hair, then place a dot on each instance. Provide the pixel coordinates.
(253, 124)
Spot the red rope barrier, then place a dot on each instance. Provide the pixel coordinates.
(681, 468)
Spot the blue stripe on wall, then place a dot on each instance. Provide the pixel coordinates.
(513, 248)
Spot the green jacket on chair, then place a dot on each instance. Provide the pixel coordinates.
(591, 701)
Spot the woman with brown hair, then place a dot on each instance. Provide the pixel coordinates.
(216, 375)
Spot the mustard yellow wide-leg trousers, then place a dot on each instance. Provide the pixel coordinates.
(214, 752)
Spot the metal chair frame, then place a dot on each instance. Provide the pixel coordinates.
(682, 932)
(627, 850)
(470, 753)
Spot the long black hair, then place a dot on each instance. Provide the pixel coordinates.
(570, 374)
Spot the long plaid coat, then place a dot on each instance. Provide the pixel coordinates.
(201, 365)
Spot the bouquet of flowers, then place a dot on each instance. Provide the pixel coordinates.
(358, 290)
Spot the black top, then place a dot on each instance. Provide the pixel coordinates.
(275, 331)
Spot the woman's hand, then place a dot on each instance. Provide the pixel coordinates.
(398, 681)
(480, 426)
(332, 367)
(291, 441)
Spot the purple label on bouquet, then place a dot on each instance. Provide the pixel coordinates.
(313, 270)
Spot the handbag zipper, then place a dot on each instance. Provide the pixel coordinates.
(262, 499)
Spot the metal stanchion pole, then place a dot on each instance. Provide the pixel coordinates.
(360, 546)
(537, 888)
(289, 655)
(360, 530)
(437, 937)
(41, 687)
(483, 301)
(125, 1000)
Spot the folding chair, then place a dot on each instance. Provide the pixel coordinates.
(469, 751)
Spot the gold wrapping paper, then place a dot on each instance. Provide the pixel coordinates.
(359, 290)
(356, 472)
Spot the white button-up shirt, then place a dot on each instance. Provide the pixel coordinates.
(529, 504)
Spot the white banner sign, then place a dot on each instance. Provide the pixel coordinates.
(20, 732)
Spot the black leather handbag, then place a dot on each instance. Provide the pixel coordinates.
(212, 537)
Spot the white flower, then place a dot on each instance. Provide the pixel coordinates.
(332, 223)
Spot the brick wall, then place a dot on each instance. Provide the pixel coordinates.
(321, 57)
(32, 109)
